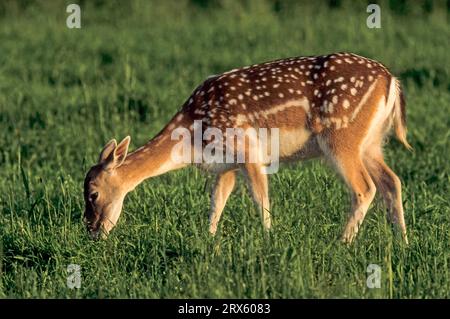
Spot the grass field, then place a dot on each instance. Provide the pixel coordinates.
(65, 92)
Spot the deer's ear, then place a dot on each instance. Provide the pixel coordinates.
(118, 155)
(107, 150)
(121, 151)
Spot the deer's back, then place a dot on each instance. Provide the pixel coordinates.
(322, 91)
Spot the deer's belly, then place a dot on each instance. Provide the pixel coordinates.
(294, 143)
(297, 143)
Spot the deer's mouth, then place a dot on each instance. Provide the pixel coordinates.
(98, 232)
(94, 228)
(99, 229)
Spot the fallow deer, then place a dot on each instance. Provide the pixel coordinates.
(339, 106)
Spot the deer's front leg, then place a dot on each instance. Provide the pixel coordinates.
(221, 191)
(260, 190)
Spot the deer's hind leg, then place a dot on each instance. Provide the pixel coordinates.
(348, 162)
(221, 191)
(389, 185)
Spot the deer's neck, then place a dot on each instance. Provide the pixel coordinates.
(152, 159)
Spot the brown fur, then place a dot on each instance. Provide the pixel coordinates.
(338, 106)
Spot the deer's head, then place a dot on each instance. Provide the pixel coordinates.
(104, 191)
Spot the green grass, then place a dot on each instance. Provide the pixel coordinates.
(64, 93)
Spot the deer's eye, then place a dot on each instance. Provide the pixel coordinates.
(93, 197)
